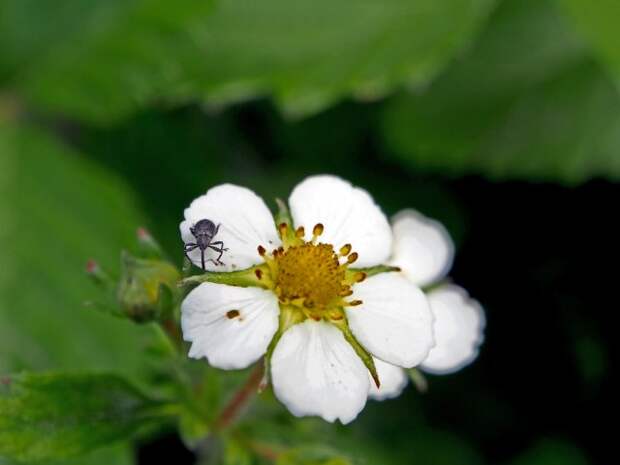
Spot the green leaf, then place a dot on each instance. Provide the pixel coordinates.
(48, 416)
(526, 103)
(58, 210)
(101, 60)
(598, 23)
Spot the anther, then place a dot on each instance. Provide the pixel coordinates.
(354, 303)
(300, 232)
(282, 227)
(345, 250)
(317, 230)
(359, 276)
(346, 293)
(258, 273)
(261, 251)
(352, 258)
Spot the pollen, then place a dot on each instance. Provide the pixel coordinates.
(310, 272)
(310, 276)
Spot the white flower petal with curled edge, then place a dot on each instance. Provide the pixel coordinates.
(459, 330)
(231, 326)
(316, 372)
(245, 223)
(348, 213)
(394, 321)
(422, 249)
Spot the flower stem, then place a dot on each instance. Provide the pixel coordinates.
(232, 410)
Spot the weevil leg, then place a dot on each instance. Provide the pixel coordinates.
(221, 250)
(188, 248)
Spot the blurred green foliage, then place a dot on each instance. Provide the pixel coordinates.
(115, 114)
(47, 416)
(101, 60)
(61, 209)
(527, 101)
(598, 23)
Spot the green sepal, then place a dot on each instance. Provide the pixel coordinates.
(240, 278)
(418, 379)
(148, 247)
(283, 215)
(343, 325)
(289, 316)
(109, 307)
(373, 270)
(100, 277)
(433, 286)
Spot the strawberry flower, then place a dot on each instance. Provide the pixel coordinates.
(309, 291)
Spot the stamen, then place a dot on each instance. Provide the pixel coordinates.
(317, 230)
(345, 250)
(261, 251)
(300, 232)
(352, 258)
(283, 227)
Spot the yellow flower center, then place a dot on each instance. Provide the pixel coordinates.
(311, 272)
(309, 275)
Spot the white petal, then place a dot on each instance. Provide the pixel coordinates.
(245, 221)
(394, 322)
(316, 372)
(393, 381)
(422, 247)
(459, 330)
(349, 216)
(229, 340)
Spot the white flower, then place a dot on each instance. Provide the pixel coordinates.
(318, 320)
(424, 251)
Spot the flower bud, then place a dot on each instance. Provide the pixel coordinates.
(145, 290)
